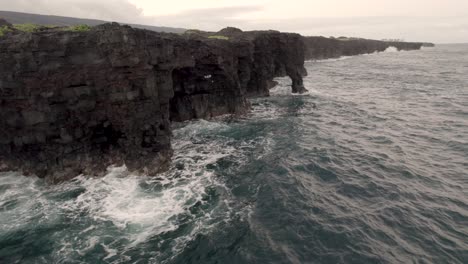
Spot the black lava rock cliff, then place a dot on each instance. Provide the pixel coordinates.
(318, 48)
(77, 102)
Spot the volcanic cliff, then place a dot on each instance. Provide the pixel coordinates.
(318, 48)
(75, 102)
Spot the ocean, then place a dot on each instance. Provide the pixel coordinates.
(369, 166)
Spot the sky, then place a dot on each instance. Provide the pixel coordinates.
(439, 21)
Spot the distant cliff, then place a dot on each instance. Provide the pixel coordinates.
(317, 48)
(76, 102)
(428, 44)
(45, 20)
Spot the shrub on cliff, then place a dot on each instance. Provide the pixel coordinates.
(79, 28)
(27, 27)
(193, 31)
(4, 30)
(30, 28)
(218, 37)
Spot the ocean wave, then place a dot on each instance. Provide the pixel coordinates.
(133, 209)
(391, 49)
(330, 59)
(376, 173)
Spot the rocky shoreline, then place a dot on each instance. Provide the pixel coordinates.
(319, 48)
(76, 102)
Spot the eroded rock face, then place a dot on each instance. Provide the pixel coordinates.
(77, 102)
(277, 54)
(264, 55)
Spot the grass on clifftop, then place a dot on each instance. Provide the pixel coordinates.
(79, 28)
(204, 34)
(218, 37)
(4, 30)
(193, 31)
(29, 28)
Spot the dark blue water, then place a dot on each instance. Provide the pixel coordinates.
(370, 167)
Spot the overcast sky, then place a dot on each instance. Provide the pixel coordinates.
(441, 21)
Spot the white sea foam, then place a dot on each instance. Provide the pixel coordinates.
(124, 206)
(368, 54)
(118, 197)
(391, 49)
(22, 201)
(267, 143)
(284, 88)
(330, 59)
(427, 48)
(90, 244)
(110, 252)
(264, 110)
(140, 212)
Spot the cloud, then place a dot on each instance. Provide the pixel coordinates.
(112, 10)
(250, 17)
(430, 29)
(125, 11)
(210, 18)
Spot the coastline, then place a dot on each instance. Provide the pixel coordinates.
(77, 102)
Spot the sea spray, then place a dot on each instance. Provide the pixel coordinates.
(391, 49)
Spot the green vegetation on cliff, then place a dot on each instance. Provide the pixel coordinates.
(193, 31)
(218, 37)
(4, 30)
(79, 28)
(29, 28)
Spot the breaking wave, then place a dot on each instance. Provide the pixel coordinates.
(113, 215)
(391, 49)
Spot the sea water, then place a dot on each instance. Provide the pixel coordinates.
(369, 166)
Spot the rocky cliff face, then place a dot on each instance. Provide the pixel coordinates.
(317, 48)
(76, 102)
(264, 55)
(282, 54)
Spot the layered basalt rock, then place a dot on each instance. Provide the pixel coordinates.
(318, 48)
(77, 102)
